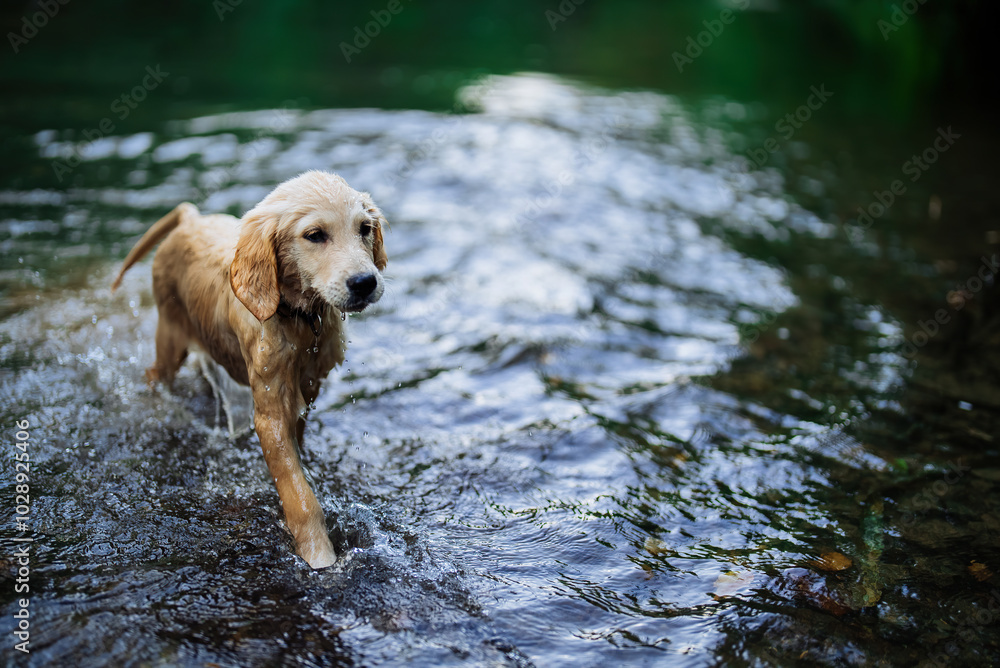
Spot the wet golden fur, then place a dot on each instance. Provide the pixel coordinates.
(219, 284)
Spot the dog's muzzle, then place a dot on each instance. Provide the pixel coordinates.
(361, 290)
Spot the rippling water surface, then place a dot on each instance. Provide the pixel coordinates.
(538, 451)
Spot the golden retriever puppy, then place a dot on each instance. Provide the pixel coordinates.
(264, 296)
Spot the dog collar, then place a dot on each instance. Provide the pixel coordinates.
(285, 310)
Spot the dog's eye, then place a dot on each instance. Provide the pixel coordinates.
(316, 236)
(366, 229)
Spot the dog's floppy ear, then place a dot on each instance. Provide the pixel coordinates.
(254, 272)
(378, 249)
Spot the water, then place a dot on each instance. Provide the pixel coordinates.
(587, 424)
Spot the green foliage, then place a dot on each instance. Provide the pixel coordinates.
(254, 54)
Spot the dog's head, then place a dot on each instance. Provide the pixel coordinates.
(312, 239)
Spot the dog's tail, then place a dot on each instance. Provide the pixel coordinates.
(153, 236)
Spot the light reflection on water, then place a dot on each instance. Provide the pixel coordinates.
(517, 459)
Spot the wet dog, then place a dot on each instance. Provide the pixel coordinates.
(264, 296)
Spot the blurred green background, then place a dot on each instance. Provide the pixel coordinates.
(226, 54)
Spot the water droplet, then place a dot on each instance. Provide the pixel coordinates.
(93, 319)
(262, 349)
(267, 388)
(310, 383)
(265, 368)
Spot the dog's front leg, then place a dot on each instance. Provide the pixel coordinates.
(275, 418)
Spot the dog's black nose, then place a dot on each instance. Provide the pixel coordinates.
(362, 285)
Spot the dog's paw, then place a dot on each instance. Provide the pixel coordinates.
(318, 553)
(325, 562)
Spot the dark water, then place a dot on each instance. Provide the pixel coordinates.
(624, 401)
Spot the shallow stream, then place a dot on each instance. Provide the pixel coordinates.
(602, 415)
